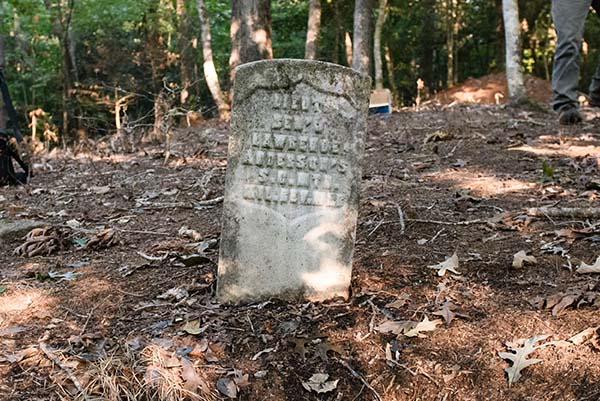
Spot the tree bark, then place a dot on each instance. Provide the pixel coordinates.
(210, 73)
(312, 32)
(362, 34)
(514, 76)
(499, 46)
(250, 32)
(186, 51)
(348, 47)
(451, 28)
(381, 17)
(3, 111)
(338, 32)
(390, 71)
(427, 44)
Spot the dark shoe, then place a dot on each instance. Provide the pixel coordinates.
(569, 116)
(594, 102)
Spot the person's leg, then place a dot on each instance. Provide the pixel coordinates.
(569, 20)
(595, 84)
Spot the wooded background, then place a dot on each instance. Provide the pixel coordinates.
(96, 67)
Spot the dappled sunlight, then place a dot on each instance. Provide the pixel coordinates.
(566, 150)
(20, 301)
(481, 183)
(19, 306)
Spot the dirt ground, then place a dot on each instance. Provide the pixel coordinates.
(493, 89)
(126, 315)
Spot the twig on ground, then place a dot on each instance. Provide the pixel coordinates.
(448, 223)
(377, 226)
(209, 202)
(401, 219)
(50, 355)
(360, 377)
(153, 258)
(436, 235)
(575, 212)
(143, 232)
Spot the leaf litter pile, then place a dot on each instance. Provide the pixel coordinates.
(476, 273)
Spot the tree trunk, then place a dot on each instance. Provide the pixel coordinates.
(3, 111)
(61, 14)
(514, 76)
(186, 52)
(390, 71)
(362, 34)
(450, 41)
(499, 46)
(348, 46)
(381, 17)
(250, 32)
(210, 73)
(312, 32)
(338, 32)
(427, 44)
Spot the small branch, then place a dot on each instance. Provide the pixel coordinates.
(142, 232)
(209, 202)
(448, 223)
(359, 377)
(401, 219)
(50, 355)
(153, 258)
(575, 212)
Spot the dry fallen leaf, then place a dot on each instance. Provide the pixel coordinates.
(585, 335)
(518, 356)
(521, 258)
(450, 264)
(585, 268)
(401, 302)
(300, 346)
(425, 325)
(447, 312)
(190, 376)
(396, 327)
(319, 384)
(324, 347)
(227, 387)
(193, 328)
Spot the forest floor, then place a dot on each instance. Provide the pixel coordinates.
(119, 311)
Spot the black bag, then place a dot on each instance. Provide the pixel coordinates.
(8, 175)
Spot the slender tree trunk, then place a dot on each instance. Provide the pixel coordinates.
(212, 80)
(61, 20)
(381, 17)
(312, 32)
(186, 51)
(390, 71)
(348, 47)
(514, 76)
(427, 44)
(250, 32)
(362, 36)
(3, 111)
(499, 45)
(450, 21)
(338, 32)
(67, 66)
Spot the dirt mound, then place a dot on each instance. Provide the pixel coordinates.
(492, 89)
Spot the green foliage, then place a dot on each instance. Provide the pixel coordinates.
(547, 171)
(132, 47)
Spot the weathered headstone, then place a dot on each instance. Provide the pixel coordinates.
(291, 194)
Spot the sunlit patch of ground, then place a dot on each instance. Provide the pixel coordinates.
(481, 183)
(560, 150)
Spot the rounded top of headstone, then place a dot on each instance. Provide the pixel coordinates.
(287, 73)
